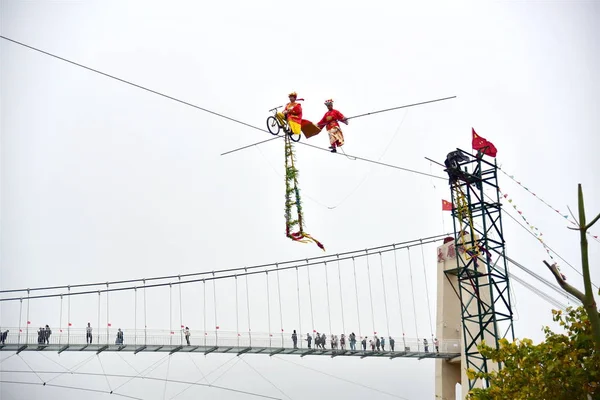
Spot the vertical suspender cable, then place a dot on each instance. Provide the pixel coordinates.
(59, 321)
(27, 321)
(69, 315)
(399, 298)
(268, 307)
(180, 313)
(248, 305)
(341, 295)
(204, 306)
(357, 302)
(145, 321)
(170, 313)
(387, 321)
(371, 294)
(107, 320)
(280, 311)
(135, 317)
(98, 330)
(215, 301)
(237, 313)
(20, 317)
(328, 304)
(312, 317)
(427, 292)
(412, 288)
(299, 309)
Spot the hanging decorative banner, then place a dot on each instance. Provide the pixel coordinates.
(565, 216)
(291, 188)
(534, 230)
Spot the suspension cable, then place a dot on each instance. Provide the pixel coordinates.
(399, 298)
(412, 288)
(145, 316)
(357, 301)
(170, 314)
(315, 261)
(204, 306)
(299, 309)
(59, 322)
(135, 317)
(216, 321)
(98, 329)
(248, 304)
(280, 311)
(341, 295)
(328, 304)
(237, 313)
(69, 317)
(312, 317)
(180, 314)
(20, 318)
(387, 321)
(107, 319)
(427, 293)
(371, 296)
(27, 321)
(269, 308)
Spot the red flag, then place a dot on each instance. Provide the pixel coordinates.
(182, 327)
(486, 146)
(70, 324)
(217, 326)
(28, 322)
(109, 324)
(446, 205)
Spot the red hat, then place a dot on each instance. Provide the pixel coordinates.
(328, 101)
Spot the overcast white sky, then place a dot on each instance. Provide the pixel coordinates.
(102, 181)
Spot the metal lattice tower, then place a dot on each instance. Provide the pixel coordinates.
(481, 269)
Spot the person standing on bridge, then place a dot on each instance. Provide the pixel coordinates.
(47, 333)
(392, 343)
(330, 120)
(343, 342)
(426, 345)
(119, 337)
(187, 335)
(377, 343)
(436, 343)
(295, 339)
(88, 334)
(364, 343)
(382, 343)
(3, 336)
(308, 339)
(352, 341)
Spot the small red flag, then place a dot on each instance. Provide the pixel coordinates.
(109, 324)
(446, 205)
(28, 322)
(182, 326)
(217, 326)
(281, 329)
(60, 330)
(172, 333)
(70, 324)
(486, 146)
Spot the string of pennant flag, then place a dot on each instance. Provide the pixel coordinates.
(556, 210)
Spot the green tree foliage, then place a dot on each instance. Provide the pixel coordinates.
(563, 367)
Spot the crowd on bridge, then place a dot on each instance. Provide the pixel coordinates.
(336, 342)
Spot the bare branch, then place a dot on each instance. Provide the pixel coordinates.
(572, 215)
(563, 284)
(588, 226)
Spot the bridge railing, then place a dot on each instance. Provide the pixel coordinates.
(156, 337)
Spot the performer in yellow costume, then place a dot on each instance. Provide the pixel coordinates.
(293, 113)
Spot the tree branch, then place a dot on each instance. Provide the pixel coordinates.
(588, 226)
(563, 284)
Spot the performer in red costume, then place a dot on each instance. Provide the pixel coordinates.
(330, 119)
(293, 113)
